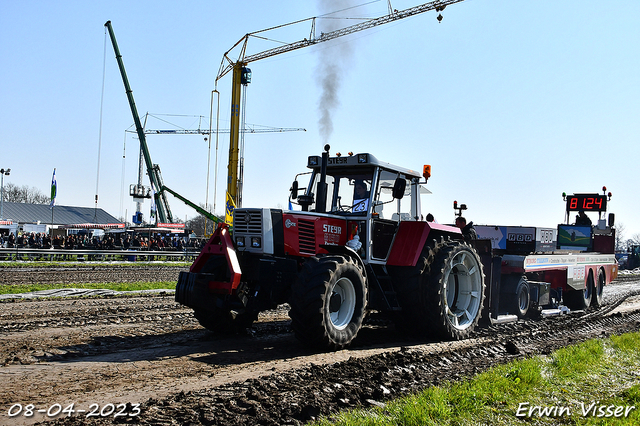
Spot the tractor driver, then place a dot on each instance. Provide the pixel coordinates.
(360, 197)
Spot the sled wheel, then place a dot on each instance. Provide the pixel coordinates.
(598, 289)
(455, 291)
(580, 300)
(523, 299)
(328, 302)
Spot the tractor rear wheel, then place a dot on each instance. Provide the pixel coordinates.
(410, 283)
(455, 293)
(328, 302)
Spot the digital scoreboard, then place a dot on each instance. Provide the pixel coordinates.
(587, 202)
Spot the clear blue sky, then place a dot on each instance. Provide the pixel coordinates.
(512, 102)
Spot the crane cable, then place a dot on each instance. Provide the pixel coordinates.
(124, 155)
(104, 68)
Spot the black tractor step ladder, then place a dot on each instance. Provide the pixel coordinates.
(379, 278)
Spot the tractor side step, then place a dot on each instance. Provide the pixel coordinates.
(392, 297)
(380, 278)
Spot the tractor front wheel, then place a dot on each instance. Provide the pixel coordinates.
(328, 302)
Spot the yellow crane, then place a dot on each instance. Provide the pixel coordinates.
(241, 75)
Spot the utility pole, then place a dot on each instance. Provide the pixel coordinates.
(3, 172)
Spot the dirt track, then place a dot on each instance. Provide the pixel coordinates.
(90, 273)
(150, 351)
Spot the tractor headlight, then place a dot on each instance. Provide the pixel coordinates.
(239, 241)
(256, 242)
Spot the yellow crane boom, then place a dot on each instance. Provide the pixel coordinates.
(228, 64)
(241, 74)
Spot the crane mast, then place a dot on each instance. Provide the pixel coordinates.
(162, 205)
(153, 170)
(239, 70)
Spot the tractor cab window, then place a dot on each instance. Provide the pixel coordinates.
(385, 205)
(352, 192)
(348, 190)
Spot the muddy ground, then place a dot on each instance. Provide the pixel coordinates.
(90, 273)
(145, 360)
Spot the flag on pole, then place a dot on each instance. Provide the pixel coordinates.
(54, 189)
(152, 213)
(230, 206)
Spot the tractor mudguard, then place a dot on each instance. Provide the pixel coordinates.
(345, 251)
(411, 238)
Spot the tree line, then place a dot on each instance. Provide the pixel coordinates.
(622, 242)
(24, 194)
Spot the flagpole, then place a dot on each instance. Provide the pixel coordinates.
(54, 192)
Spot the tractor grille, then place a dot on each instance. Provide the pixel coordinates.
(307, 237)
(247, 221)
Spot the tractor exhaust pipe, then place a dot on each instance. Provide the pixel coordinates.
(321, 201)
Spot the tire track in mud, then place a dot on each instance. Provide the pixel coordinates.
(90, 274)
(79, 313)
(298, 396)
(152, 349)
(302, 394)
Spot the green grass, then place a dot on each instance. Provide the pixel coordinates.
(128, 286)
(604, 372)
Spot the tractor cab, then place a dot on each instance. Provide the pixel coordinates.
(373, 196)
(360, 185)
(633, 257)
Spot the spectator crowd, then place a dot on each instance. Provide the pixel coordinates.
(120, 241)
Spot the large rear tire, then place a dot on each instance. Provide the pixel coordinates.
(455, 292)
(328, 302)
(410, 284)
